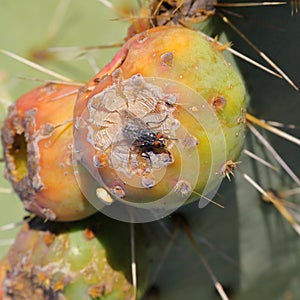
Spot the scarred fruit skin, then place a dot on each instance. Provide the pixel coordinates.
(37, 144)
(84, 260)
(3, 270)
(171, 61)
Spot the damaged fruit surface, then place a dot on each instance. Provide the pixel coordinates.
(65, 261)
(3, 270)
(37, 144)
(158, 124)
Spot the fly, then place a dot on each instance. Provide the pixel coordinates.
(144, 138)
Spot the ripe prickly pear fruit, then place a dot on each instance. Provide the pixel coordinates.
(157, 125)
(3, 269)
(37, 144)
(83, 260)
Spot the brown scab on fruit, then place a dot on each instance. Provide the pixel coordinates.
(167, 59)
(218, 103)
(97, 291)
(126, 126)
(99, 160)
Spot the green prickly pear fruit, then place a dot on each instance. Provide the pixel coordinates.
(84, 260)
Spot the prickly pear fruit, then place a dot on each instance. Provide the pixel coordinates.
(3, 269)
(84, 260)
(37, 144)
(158, 124)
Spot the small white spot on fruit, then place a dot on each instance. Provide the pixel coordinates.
(104, 196)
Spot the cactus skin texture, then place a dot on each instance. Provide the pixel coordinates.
(183, 57)
(37, 144)
(84, 260)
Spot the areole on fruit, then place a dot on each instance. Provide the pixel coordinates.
(157, 125)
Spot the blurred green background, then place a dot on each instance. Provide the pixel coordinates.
(264, 246)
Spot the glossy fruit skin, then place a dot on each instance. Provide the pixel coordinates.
(181, 56)
(76, 260)
(37, 144)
